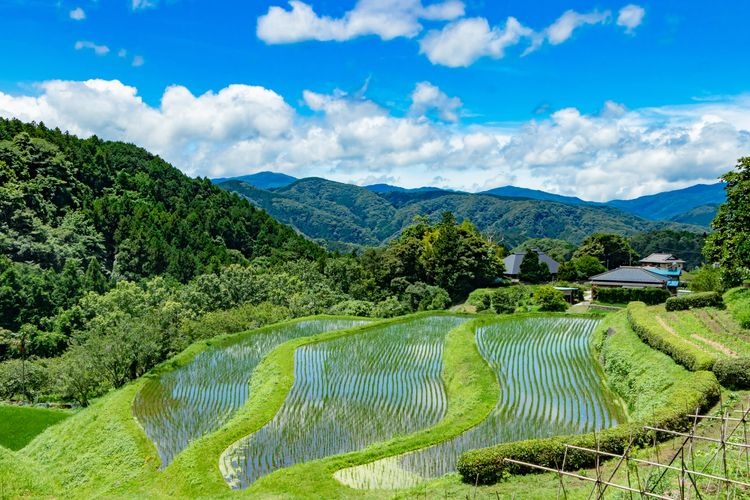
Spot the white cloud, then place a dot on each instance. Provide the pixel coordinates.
(77, 14)
(616, 153)
(630, 17)
(562, 29)
(387, 19)
(122, 53)
(427, 97)
(100, 50)
(138, 61)
(462, 42)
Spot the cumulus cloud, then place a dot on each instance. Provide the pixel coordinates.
(427, 97)
(100, 50)
(244, 128)
(462, 42)
(77, 14)
(387, 19)
(138, 61)
(630, 17)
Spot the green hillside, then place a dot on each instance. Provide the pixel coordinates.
(337, 212)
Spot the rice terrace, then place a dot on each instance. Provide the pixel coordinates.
(376, 249)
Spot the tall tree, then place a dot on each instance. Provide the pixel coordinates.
(612, 250)
(729, 244)
(533, 270)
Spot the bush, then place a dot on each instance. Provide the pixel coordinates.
(694, 300)
(389, 308)
(507, 300)
(352, 308)
(706, 278)
(481, 299)
(650, 296)
(733, 372)
(684, 353)
(549, 299)
(738, 303)
(423, 297)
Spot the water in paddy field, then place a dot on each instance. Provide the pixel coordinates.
(349, 393)
(550, 385)
(191, 401)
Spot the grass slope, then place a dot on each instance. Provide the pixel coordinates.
(21, 477)
(20, 424)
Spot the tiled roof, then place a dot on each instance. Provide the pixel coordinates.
(661, 258)
(630, 274)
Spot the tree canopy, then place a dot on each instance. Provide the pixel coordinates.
(729, 243)
(612, 250)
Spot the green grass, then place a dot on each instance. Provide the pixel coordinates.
(20, 424)
(738, 303)
(21, 478)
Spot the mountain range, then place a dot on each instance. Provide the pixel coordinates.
(341, 215)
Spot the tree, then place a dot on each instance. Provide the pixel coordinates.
(560, 250)
(549, 299)
(706, 278)
(729, 244)
(533, 270)
(612, 250)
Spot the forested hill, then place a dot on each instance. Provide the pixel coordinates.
(337, 212)
(94, 207)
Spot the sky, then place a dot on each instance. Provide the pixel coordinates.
(596, 99)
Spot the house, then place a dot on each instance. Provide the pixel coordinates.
(632, 277)
(513, 263)
(662, 261)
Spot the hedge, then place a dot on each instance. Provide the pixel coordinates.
(694, 300)
(733, 372)
(639, 367)
(652, 333)
(650, 296)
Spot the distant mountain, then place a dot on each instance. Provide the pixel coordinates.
(672, 204)
(535, 194)
(387, 188)
(262, 180)
(700, 216)
(344, 213)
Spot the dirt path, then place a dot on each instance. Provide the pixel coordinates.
(716, 345)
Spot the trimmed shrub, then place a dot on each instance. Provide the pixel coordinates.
(695, 300)
(650, 296)
(652, 333)
(733, 372)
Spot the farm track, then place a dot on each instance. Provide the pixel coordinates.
(549, 385)
(184, 404)
(349, 393)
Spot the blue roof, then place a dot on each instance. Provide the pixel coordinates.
(673, 283)
(665, 272)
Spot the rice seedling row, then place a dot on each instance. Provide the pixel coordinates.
(349, 393)
(195, 399)
(549, 385)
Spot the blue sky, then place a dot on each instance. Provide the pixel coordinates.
(464, 94)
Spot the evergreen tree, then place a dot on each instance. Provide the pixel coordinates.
(533, 270)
